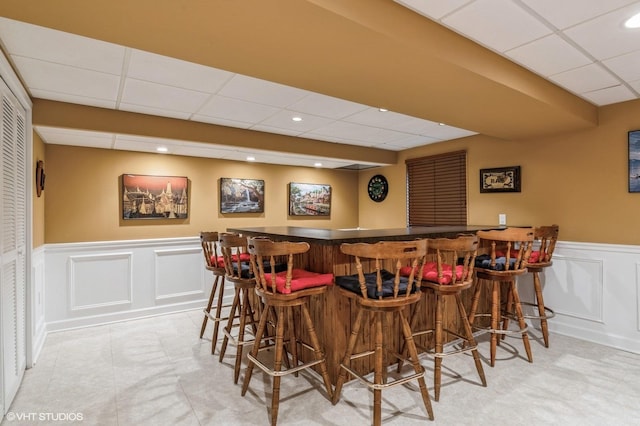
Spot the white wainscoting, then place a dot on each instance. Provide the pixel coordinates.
(100, 282)
(593, 288)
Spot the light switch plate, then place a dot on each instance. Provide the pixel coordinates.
(502, 219)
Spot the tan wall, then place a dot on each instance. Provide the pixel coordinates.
(38, 237)
(578, 180)
(83, 195)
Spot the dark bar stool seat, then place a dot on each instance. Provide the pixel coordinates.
(378, 293)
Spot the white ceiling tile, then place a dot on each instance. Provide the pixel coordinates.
(144, 93)
(610, 95)
(153, 111)
(410, 141)
(326, 106)
(605, 37)
(73, 99)
(41, 75)
(585, 79)
(236, 110)
(433, 9)
(32, 41)
(498, 24)
(635, 84)
(261, 91)
(173, 72)
(381, 119)
(283, 120)
(549, 55)
(626, 66)
(565, 13)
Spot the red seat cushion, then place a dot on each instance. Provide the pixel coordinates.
(430, 273)
(219, 260)
(533, 258)
(301, 279)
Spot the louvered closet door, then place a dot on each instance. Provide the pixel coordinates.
(12, 243)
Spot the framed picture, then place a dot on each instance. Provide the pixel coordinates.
(309, 199)
(634, 161)
(155, 197)
(241, 195)
(502, 179)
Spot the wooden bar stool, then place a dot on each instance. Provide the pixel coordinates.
(281, 293)
(502, 257)
(449, 271)
(238, 270)
(378, 293)
(545, 238)
(213, 263)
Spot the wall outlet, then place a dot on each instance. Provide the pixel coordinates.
(502, 219)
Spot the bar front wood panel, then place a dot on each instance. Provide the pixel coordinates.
(333, 313)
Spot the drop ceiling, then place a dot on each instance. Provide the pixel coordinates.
(579, 45)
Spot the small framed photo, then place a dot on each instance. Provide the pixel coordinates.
(634, 161)
(501, 179)
(155, 197)
(241, 195)
(309, 199)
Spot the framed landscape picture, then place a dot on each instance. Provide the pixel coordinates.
(309, 199)
(241, 195)
(634, 161)
(155, 197)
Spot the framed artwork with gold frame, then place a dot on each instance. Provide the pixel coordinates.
(500, 179)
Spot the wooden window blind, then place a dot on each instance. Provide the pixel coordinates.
(437, 189)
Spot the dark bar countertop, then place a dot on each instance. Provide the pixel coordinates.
(350, 235)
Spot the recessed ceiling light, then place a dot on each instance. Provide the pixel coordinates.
(297, 118)
(317, 164)
(251, 158)
(440, 124)
(383, 109)
(633, 22)
(162, 149)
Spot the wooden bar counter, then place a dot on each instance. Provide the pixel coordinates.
(333, 314)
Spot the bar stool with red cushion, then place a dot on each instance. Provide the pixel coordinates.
(213, 263)
(238, 270)
(448, 272)
(281, 293)
(378, 292)
(502, 257)
(545, 240)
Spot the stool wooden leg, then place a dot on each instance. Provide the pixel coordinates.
(208, 308)
(292, 339)
(413, 352)
(342, 377)
(540, 302)
(262, 325)
(521, 321)
(508, 311)
(315, 342)
(474, 301)
(275, 396)
(472, 342)
(232, 314)
(244, 313)
(495, 318)
(437, 373)
(377, 369)
(216, 326)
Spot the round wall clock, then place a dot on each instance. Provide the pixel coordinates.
(378, 188)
